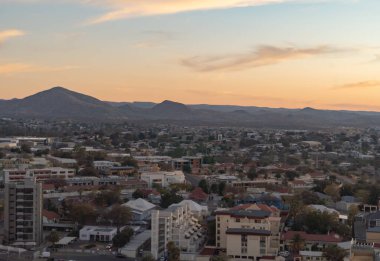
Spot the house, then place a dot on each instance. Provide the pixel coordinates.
(198, 195)
(141, 209)
(49, 217)
(346, 203)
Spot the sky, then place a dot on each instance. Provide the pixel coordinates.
(274, 53)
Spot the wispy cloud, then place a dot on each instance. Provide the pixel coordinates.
(121, 9)
(358, 85)
(262, 56)
(154, 38)
(15, 68)
(8, 34)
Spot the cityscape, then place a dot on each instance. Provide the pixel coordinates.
(178, 130)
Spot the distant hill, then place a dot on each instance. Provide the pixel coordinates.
(58, 103)
(61, 103)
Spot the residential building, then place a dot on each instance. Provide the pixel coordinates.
(179, 225)
(39, 174)
(248, 231)
(141, 209)
(163, 178)
(23, 213)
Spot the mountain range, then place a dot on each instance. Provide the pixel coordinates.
(61, 103)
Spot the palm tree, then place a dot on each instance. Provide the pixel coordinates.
(297, 243)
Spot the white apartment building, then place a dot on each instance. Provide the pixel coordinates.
(39, 174)
(248, 232)
(163, 178)
(176, 224)
(23, 213)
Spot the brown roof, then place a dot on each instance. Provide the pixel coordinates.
(329, 238)
(198, 194)
(51, 215)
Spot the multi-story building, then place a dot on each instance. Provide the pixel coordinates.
(163, 178)
(248, 232)
(176, 224)
(39, 174)
(23, 213)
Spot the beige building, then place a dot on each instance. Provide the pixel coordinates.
(248, 232)
(23, 213)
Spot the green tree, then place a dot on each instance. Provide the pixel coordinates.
(252, 173)
(53, 237)
(203, 185)
(169, 197)
(138, 193)
(107, 197)
(214, 188)
(334, 253)
(148, 258)
(221, 188)
(123, 237)
(119, 215)
(173, 252)
(82, 213)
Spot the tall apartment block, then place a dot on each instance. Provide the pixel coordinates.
(23, 213)
(179, 225)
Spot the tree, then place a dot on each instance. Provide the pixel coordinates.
(82, 213)
(334, 253)
(173, 252)
(138, 193)
(129, 161)
(221, 188)
(169, 197)
(352, 212)
(333, 191)
(297, 243)
(123, 237)
(119, 215)
(203, 185)
(252, 173)
(25, 148)
(107, 197)
(220, 257)
(148, 258)
(53, 237)
(214, 188)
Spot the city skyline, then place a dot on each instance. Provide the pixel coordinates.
(294, 54)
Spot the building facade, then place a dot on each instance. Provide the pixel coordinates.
(248, 232)
(176, 224)
(23, 213)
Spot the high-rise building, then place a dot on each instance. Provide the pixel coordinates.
(179, 225)
(23, 213)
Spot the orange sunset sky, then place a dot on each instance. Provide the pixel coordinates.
(275, 53)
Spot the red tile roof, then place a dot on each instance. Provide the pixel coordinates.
(51, 215)
(198, 194)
